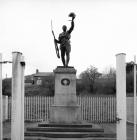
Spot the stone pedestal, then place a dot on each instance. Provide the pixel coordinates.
(65, 108)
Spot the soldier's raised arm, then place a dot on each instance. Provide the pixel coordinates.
(72, 22)
(72, 26)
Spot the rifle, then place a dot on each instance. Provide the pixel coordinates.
(55, 43)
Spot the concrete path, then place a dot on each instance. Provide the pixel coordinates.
(112, 128)
(109, 128)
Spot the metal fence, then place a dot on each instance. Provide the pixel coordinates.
(93, 108)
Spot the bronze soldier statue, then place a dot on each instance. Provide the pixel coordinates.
(64, 41)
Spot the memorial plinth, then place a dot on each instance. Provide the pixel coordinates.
(65, 108)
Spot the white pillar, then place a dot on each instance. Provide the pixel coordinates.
(121, 96)
(1, 105)
(22, 96)
(5, 108)
(17, 123)
(135, 121)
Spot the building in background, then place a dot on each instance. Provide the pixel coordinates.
(39, 78)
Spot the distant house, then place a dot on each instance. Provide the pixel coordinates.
(38, 78)
(28, 82)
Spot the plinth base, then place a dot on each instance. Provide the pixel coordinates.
(65, 108)
(65, 114)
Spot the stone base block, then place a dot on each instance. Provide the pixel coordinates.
(65, 114)
(65, 100)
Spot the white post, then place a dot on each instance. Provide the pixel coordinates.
(22, 96)
(134, 97)
(5, 108)
(1, 105)
(121, 96)
(5, 104)
(17, 123)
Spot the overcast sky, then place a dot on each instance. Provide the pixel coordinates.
(102, 29)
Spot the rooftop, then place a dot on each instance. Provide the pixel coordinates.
(45, 74)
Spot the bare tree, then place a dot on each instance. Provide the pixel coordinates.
(88, 78)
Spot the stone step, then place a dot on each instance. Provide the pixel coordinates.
(69, 134)
(64, 129)
(40, 138)
(64, 125)
(93, 138)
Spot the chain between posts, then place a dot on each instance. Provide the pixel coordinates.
(4, 62)
(118, 119)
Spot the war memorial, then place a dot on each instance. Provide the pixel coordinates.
(65, 122)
